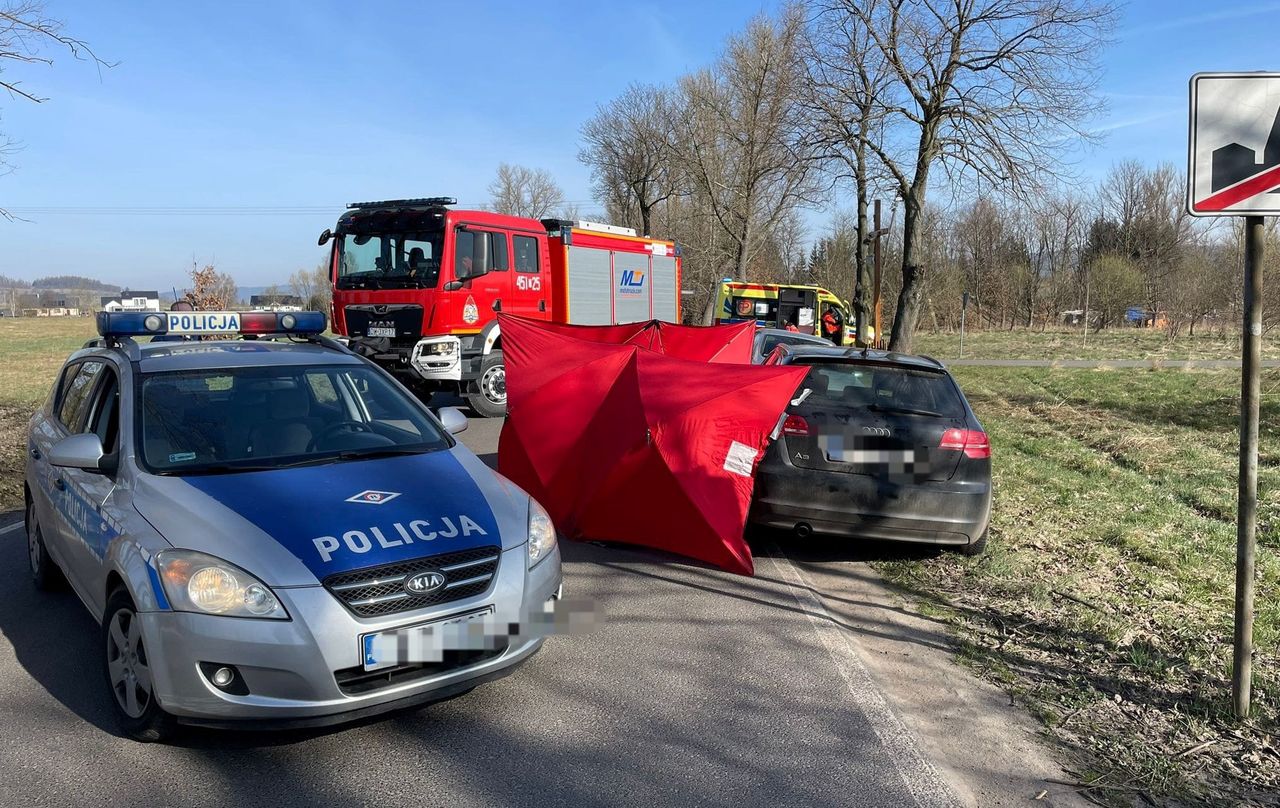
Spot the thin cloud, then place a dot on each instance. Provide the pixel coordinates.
(1126, 123)
(1201, 19)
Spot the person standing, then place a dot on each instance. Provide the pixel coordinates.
(833, 324)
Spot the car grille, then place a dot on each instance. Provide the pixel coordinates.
(376, 591)
(355, 681)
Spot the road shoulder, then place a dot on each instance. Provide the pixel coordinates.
(987, 749)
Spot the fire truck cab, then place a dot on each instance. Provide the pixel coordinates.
(417, 286)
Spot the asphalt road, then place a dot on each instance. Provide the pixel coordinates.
(697, 688)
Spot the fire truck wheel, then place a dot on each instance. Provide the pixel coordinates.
(488, 396)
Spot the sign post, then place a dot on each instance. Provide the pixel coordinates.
(964, 306)
(1235, 171)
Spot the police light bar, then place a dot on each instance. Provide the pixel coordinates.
(199, 323)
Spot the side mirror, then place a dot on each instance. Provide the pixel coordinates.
(452, 419)
(82, 451)
(325, 236)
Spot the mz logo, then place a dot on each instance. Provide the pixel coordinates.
(632, 279)
(424, 583)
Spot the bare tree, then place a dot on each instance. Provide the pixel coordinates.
(627, 144)
(529, 192)
(741, 136)
(848, 75)
(26, 35)
(211, 290)
(987, 90)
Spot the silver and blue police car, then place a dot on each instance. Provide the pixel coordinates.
(271, 530)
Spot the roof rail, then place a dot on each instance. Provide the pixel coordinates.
(125, 344)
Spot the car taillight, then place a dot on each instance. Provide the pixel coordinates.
(795, 425)
(973, 442)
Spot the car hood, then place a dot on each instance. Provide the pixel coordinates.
(295, 527)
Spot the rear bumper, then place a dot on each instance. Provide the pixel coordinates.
(952, 513)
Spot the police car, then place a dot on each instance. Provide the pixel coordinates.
(271, 530)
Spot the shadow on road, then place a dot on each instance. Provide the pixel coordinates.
(53, 636)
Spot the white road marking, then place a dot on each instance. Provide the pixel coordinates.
(10, 528)
(921, 777)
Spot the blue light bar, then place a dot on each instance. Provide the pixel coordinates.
(204, 323)
(132, 323)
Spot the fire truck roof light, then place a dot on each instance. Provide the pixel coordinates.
(405, 203)
(141, 323)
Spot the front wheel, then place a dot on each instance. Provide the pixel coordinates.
(488, 396)
(128, 670)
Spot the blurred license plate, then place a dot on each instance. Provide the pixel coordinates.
(871, 455)
(382, 331)
(386, 649)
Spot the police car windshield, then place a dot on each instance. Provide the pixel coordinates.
(253, 418)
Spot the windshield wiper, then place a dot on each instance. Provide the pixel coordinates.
(216, 468)
(381, 451)
(904, 410)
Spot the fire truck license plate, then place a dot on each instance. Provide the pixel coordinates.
(381, 330)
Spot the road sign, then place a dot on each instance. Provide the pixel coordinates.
(1235, 145)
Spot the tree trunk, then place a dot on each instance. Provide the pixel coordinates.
(646, 212)
(908, 311)
(862, 269)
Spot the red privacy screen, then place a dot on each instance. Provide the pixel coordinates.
(647, 433)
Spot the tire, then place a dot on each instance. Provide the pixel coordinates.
(974, 548)
(126, 670)
(45, 574)
(488, 396)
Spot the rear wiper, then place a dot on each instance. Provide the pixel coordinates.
(904, 410)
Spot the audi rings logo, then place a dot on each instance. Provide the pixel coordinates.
(878, 431)
(424, 583)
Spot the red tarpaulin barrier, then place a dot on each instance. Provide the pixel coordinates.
(646, 434)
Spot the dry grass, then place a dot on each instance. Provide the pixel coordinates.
(32, 351)
(1116, 343)
(1105, 600)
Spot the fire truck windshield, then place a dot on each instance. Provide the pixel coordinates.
(390, 260)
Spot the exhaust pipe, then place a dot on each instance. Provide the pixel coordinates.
(803, 530)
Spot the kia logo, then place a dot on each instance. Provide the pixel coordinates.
(880, 431)
(424, 583)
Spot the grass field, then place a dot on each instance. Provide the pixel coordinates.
(1104, 603)
(1105, 600)
(1118, 343)
(31, 352)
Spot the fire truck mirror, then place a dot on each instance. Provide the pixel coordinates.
(325, 236)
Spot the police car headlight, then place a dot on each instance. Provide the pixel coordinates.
(542, 534)
(195, 582)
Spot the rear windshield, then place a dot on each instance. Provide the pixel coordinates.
(885, 387)
(266, 417)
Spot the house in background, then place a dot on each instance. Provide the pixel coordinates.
(275, 303)
(132, 301)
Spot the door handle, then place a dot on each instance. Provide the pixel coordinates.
(35, 453)
(60, 484)
(542, 305)
(497, 305)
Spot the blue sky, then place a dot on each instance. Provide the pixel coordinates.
(313, 104)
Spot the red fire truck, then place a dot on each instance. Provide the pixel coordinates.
(417, 285)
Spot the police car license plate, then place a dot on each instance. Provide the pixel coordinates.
(381, 331)
(420, 643)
